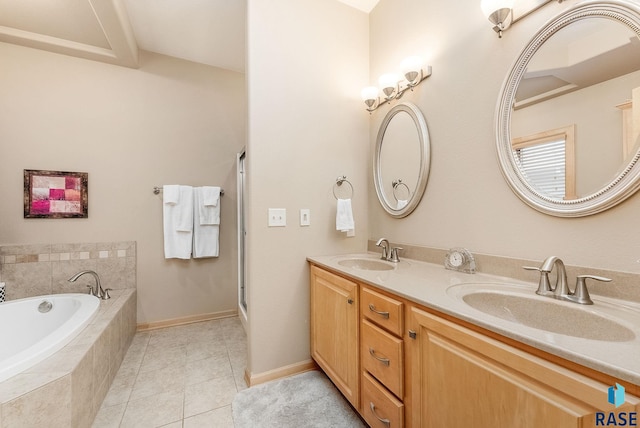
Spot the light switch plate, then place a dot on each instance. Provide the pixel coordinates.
(305, 217)
(277, 217)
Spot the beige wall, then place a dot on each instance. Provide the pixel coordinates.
(467, 201)
(170, 121)
(307, 61)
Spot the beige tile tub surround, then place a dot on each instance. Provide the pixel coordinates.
(40, 269)
(624, 285)
(67, 389)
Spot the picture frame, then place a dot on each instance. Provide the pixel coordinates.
(55, 194)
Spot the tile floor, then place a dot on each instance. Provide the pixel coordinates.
(178, 377)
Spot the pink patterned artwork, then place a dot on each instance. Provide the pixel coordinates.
(55, 194)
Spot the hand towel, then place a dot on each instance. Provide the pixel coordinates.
(207, 207)
(171, 194)
(178, 223)
(210, 195)
(206, 229)
(344, 217)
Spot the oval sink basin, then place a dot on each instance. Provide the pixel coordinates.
(549, 315)
(366, 264)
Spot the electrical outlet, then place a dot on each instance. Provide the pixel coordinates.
(277, 217)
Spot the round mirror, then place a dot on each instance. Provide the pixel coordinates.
(568, 118)
(401, 160)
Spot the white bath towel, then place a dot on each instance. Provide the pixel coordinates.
(344, 217)
(206, 229)
(210, 195)
(206, 204)
(178, 223)
(171, 194)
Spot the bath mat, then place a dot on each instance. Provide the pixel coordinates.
(306, 400)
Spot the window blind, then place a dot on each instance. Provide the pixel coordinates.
(544, 167)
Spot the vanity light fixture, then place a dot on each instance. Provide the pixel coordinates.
(393, 86)
(499, 13)
(502, 15)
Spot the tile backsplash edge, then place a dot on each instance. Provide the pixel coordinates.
(625, 285)
(39, 269)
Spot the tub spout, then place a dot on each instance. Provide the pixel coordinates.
(95, 290)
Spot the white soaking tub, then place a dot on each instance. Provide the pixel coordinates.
(36, 327)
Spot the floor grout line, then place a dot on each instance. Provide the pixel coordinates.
(174, 338)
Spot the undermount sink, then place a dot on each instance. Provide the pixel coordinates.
(366, 264)
(546, 314)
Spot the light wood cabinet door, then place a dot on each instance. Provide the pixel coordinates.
(461, 379)
(334, 330)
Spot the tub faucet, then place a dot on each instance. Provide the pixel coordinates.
(94, 290)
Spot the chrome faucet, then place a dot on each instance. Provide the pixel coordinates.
(389, 254)
(94, 290)
(384, 243)
(561, 290)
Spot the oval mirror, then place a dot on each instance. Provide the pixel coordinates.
(401, 160)
(568, 117)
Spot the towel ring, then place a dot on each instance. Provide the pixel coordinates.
(397, 183)
(339, 182)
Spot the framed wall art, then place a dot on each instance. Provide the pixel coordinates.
(55, 194)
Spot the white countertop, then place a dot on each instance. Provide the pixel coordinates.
(435, 287)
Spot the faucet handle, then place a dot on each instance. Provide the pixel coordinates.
(394, 254)
(90, 287)
(105, 294)
(581, 293)
(544, 286)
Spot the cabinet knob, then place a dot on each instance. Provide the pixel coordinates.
(350, 301)
(412, 334)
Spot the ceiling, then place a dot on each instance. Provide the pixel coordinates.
(578, 56)
(210, 32)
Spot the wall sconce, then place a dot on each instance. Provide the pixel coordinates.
(393, 86)
(502, 15)
(499, 13)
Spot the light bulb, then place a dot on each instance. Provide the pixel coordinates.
(388, 83)
(411, 68)
(369, 93)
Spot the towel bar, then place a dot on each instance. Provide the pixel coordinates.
(157, 190)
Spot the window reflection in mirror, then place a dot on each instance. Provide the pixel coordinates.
(586, 74)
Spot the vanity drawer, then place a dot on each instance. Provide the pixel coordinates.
(379, 407)
(382, 310)
(382, 356)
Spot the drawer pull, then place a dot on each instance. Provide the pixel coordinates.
(384, 361)
(387, 422)
(382, 314)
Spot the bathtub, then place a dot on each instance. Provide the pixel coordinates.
(36, 327)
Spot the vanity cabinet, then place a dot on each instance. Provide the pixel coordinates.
(334, 330)
(462, 378)
(403, 365)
